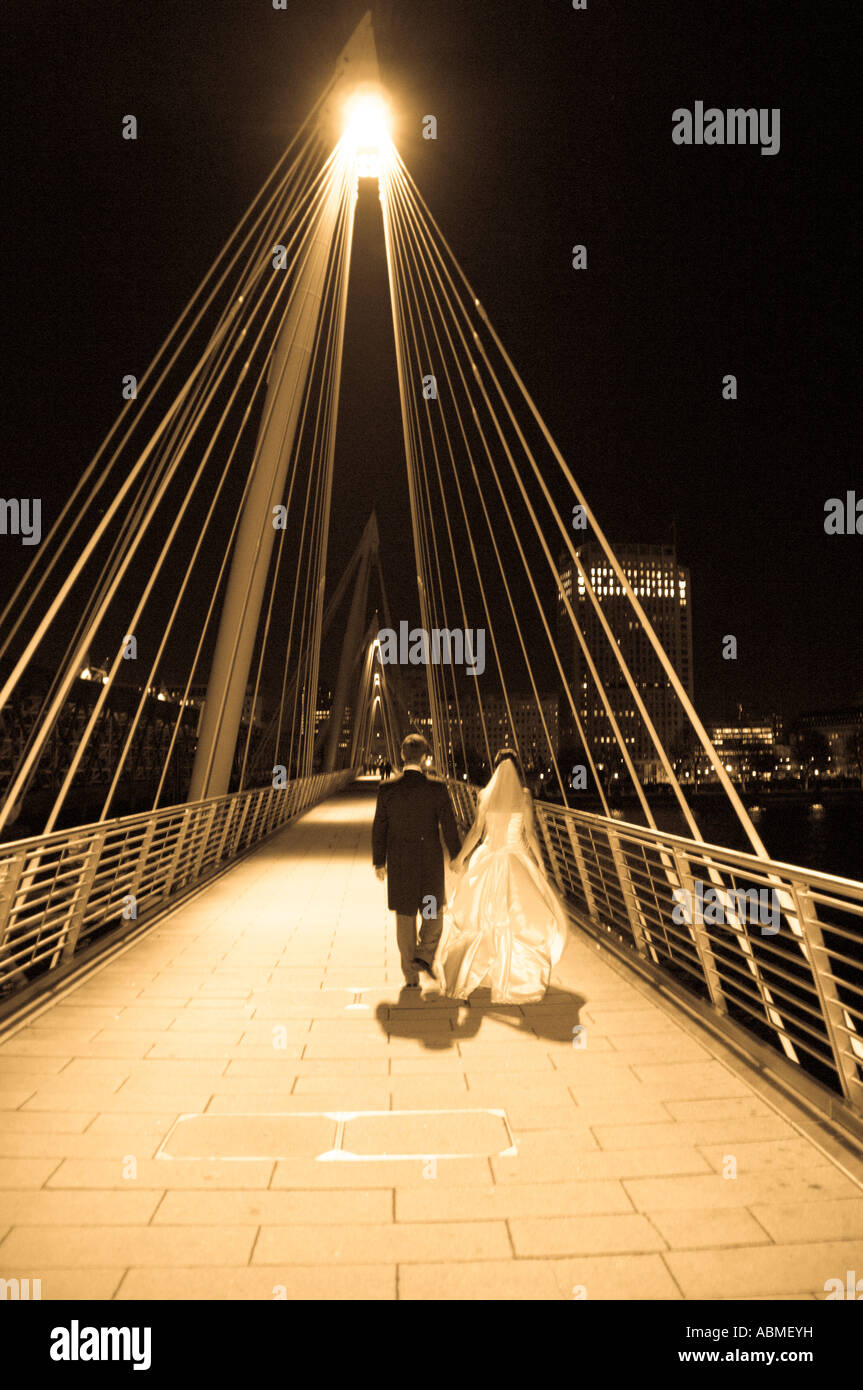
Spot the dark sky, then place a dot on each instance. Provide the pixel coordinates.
(554, 129)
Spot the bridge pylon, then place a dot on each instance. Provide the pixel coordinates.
(286, 386)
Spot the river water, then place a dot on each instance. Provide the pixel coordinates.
(797, 830)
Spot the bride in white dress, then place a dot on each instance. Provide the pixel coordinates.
(505, 925)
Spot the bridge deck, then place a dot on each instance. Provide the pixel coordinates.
(274, 993)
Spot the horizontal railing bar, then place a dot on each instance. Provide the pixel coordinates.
(723, 949)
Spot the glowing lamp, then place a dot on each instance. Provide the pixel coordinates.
(367, 132)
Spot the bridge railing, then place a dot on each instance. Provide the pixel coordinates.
(61, 892)
(772, 950)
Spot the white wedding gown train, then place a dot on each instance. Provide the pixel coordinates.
(505, 927)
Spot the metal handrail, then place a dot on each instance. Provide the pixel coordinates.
(61, 892)
(795, 988)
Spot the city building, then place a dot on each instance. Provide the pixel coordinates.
(322, 720)
(746, 748)
(663, 589)
(842, 731)
(197, 698)
(521, 725)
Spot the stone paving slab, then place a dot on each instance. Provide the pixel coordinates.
(39, 1247)
(100, 1172)
(90, 1285)
(399, 1243)
(348, 1206)
(291, 1282)
(764, 1270)
(61, 1208)
(241, 1136)
(275, 992)
(710, 1229)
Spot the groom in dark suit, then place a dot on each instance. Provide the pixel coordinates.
(412, 814)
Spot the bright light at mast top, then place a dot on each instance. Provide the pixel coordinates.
(367, 132)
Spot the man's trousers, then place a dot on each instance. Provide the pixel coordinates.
(409, 947)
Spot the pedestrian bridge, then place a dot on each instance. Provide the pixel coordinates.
(210, 1086)
(228, 1098)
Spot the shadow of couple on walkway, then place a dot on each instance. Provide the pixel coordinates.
(438, 1024)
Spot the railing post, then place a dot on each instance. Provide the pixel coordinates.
(465, 808)
(143, 855)
(253, 818)
(178, 849)
(12, 871)
(636, 921)
(581, 865)
(210, 815)
(552, 857)
(226, 826)
(75, 920)
(832, 1010)
(237, 835)
(700, 938)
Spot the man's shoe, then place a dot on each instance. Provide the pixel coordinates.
(420, 964)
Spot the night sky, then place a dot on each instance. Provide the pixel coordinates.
(554, 128)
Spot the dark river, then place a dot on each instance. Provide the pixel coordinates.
(793, 829)
(816, 830)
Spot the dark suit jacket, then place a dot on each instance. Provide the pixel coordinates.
(412, 813)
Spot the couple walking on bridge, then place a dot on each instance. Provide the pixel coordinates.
(503, 928)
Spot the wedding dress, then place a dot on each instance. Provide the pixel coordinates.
(505, 926)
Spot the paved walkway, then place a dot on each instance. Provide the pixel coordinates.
(274, 996)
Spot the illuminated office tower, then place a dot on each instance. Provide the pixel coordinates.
(663, 589)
